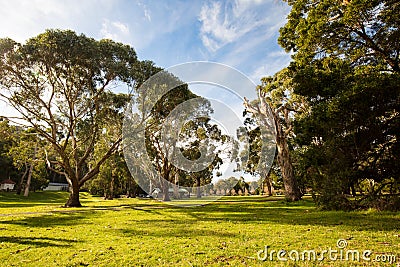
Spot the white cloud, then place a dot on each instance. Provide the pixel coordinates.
(224, 24)
(123, 28)
(146, 11)
(27, 18)
(114, 30)
(214, 30)
(243, 34)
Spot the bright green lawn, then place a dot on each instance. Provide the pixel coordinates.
(135, 232)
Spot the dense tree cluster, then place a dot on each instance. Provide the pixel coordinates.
(346, 66)
(335, 112)
(22, 158)
(336, 106)
(61, 85)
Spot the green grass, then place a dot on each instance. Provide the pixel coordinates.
(134, 232)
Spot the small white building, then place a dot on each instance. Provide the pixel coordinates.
(7, 185)
(57, 187)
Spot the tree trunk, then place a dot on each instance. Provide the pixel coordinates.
(73, 200)
(269, 186)
(176, 187)
(129, 189)
(292, 191)
(135, 190)
(105, 190)
(165, 191)
(198, 187)
(150, 188)
(353, 190)
(165, 186)
(28, 181)
(265, 111)
(111, 196)
(21, 182)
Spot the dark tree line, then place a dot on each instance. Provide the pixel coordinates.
(346, 66)
(336, 106)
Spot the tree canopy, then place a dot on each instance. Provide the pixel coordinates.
(346, 65)
(58, 81)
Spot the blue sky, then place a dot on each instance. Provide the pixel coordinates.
(242, 33)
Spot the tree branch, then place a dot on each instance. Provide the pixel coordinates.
(94, 171)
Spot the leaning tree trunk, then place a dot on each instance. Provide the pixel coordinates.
(271, 117)
(21, 182)
(28, 181)
(292, 191)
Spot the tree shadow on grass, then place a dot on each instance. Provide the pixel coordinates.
(175, 232)
(292, 215)
(41, 198)
(181, 228)
(38, 241)
(137, 206)
(47, 220)
(298, 213)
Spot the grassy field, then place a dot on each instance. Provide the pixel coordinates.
(231, 231)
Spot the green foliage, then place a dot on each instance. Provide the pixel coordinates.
(159, 147)
(59, 82)
(113, 178)
(7, 140)
(277, 108)
(40, 176)
(173, 122)
(351, 133)
(232, 186)
(346, 65)
(364, 32)
(20, 148)
(197, 132)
